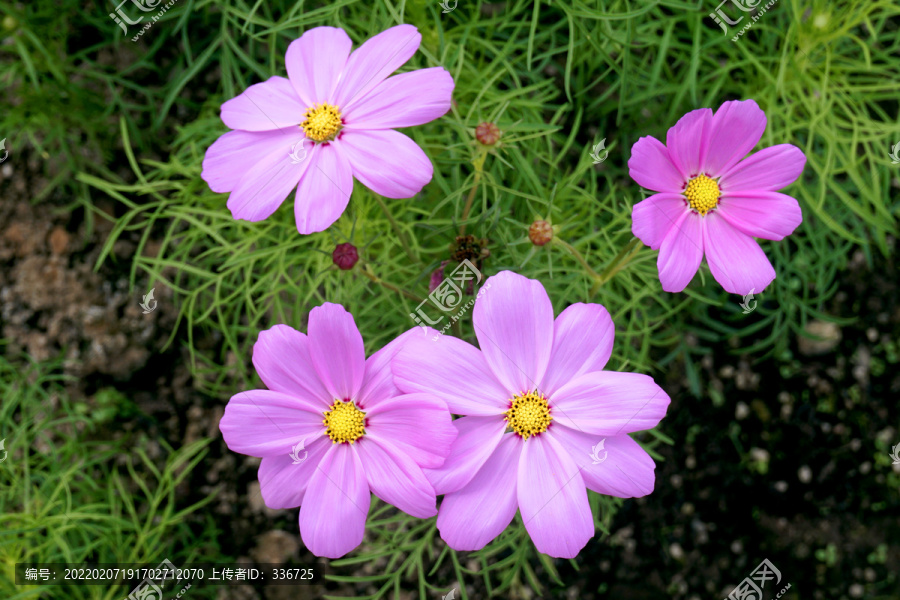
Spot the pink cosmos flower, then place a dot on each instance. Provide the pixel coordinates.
(331, 120)
(543, 420)
(332, 428)
(710, 201)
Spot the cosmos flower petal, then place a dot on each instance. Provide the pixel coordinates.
(324, 191)
(282, 483)
(476, 514)
(651, 167)
(315, 61)
(477, 438)
(378, 384)
(553, 499)
(228, 157)
(270, 105)
(403, 100)
(768, 215)
(417, 424)
(735, 129)
(768, 170)
(264, 186)
(513, 322)
(387, 162)
(396, 479)
(436, 367)
(653, 217)
(267, 423)
(681, 253)
(281, 358)
(582, 341)
(374, 61)
(687, 142)
(609, 403)
(620, 468)
(333, 514)
(336, 350)
(735, 259)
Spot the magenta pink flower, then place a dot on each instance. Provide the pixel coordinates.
(331, 120)
(543, 420)
(332, 428)
(711, 202)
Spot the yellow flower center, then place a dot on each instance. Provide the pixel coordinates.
(702, 193)
(528, 415)
(344, 422)
(323, 122)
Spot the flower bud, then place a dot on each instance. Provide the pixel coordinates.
(540, 233)
(345, 256)
(487, 133)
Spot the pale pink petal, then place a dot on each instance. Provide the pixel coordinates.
(609, 403)
(653, 217)
(281, 357)
(282, 483)
(372, 62)
(651, 167)
(768, 215)
(553, 499)
(686, 141)
(735, 259)
(734, 130)
(333, 514)
(620, 468)
(418, 425)
(451, 369)
(336, 350)
(272, 104)
(315, 61)
(477, 439)
(681, 253)
(582, 342)
(232, 155)
(266, 423)
(264, 186)
(403, 100)
(378, 384)
(513, 320)
(476, 514)
(387, 162)
(324, 191)
(768, 170)
(396, 479)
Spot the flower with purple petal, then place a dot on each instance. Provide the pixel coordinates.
(330, 121)
(536, 403)
(333, 427)
(712, 202)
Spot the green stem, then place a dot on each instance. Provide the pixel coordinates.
(479, 169)
(616, 265)
(397, 230)
(367, 271)
(571, 249)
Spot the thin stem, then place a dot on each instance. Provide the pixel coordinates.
(367, 271)
(397, 230)
(616, 265)
(571, 249)
(479, 169)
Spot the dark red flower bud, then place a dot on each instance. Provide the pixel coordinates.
(345, 256)
(487, 133)
(437, 277)
(540, 233)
